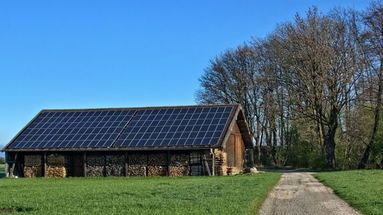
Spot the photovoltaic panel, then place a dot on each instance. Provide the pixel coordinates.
(190, 126)
(73, 129)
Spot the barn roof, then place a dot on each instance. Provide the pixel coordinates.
(139, 128)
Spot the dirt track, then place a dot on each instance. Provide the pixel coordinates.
(300, 193)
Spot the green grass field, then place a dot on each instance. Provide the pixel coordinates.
(242, 194)
(362, 189)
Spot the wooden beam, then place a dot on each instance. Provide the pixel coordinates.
(45, 164)
(7, 173)
(212, 162)
(104, 172)
(206, 165)
(84, 161)
(126, 164)
(168, 162)
(13, 166)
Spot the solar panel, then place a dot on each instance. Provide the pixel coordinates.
(73, 129)
(175, 127)
(140, 127)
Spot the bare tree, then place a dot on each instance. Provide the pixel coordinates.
(320, 59)
(372, 45)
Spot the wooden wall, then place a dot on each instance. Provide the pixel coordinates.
(235, 151)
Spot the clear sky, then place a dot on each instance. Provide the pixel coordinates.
(86, 54)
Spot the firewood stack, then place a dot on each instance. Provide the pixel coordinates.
(115, 165)
(137, 164)
(157, 164)
(56, 172)
(95, 165)
(32, 166)
(220, 162)
(179, 164)
(57, 166)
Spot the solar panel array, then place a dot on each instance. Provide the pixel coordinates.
(173, 126)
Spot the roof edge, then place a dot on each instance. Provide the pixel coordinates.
(139, 108)
(21, 131)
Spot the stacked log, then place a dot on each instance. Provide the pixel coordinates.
(32, 166)
(56, 172)
(220, 162)
(95, 165)
(32, 171)
(157, 170)
(137, 164)
(136, 170)
(57, 166)
(179, 164)
(178, 170)
(115, 165)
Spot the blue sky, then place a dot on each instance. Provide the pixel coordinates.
(84, 54)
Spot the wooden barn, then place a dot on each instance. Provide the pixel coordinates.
(145, 141)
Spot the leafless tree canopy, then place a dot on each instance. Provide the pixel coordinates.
(311, 90)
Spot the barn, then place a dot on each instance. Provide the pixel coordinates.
(142, 141)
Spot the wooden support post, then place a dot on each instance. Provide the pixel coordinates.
(105, 164)
(84, 160)
(45, 164)
(13, 166)
(126, 164)
(189, 165)
(212, 162)
(7, 173)
(206, 165)
(168, 162)
(147, 164)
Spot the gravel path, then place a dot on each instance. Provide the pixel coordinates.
(300, 193)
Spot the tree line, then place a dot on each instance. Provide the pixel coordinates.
(311, 90)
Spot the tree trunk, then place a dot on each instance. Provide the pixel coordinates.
(329, 138)
(329, 141)
(366, 154)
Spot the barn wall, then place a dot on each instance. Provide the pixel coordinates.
(234, 152)
(99, 164)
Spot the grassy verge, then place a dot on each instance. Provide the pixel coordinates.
(362, 189)
(241, 194)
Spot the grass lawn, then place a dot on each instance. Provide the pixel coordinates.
(242, 194)
(362, 189)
